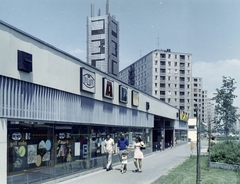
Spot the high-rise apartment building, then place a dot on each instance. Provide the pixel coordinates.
(165, 75)
(197, 96)
(103, 42)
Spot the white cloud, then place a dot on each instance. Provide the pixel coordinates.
(212, 73)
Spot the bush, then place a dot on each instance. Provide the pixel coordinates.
(226, 152)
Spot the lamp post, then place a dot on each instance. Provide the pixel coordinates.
(198, 147)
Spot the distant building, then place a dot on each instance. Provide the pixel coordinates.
(197, 96)
(103, 42)
(165, 75)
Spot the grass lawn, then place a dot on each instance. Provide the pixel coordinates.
(186, 174)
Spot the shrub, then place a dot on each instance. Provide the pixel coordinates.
(226, 152)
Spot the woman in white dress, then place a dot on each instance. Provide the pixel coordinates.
(138, 154)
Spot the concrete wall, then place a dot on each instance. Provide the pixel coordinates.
(56, 69)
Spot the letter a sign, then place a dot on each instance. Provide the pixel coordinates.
(108, 88)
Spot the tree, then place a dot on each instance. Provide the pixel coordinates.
(225, 113)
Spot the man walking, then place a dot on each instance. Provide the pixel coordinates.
(108, 149)
(122, 145)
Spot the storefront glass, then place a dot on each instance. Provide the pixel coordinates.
(181, 136)
(30, 146)
(41, 150)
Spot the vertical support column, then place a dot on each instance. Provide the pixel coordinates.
(3, 146)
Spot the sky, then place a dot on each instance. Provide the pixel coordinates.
(207, 29)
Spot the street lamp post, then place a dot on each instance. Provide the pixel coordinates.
(198, 147)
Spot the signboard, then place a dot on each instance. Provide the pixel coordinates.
(87, 82)
(135, 98)
(123, 94)
(108, 88)
(183, 116)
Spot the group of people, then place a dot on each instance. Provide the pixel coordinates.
(123, 146)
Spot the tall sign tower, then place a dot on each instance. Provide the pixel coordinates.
(103, 42)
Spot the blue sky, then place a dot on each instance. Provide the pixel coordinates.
(208, 29)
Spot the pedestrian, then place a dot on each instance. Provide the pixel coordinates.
(108, 149)
(138, 154)
(122, 145)
(124, 162)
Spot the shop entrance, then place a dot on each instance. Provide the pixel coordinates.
(169, 139)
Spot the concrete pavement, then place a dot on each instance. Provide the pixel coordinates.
(155, 165)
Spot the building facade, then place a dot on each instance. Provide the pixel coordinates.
(55, 112)
(103, 42)
(165, 75)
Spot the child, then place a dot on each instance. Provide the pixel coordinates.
(124, 162)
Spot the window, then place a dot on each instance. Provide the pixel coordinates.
(182, 100)
(182, 79)
(162, 92)
(156, 62)
(162, 55)
(162, 85)
(162, 77)
(181, 108)
(169, 100)
(175, 85)
(175, 71)
(156, 70)
(175, 56)
(169, 63)
(169, 55)
(182, 64)
(155, 84)
(162, 63)
(191, 127)
(182, 56)
(175, 63)
(169, 70)
(175, 92)
(181, 86)
(169, 92)
(162, 71)
(182, 71)
(156, 77)
(169, 85)
(156, 92)
(169, 78)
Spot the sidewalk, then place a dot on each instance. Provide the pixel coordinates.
(154, 165)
